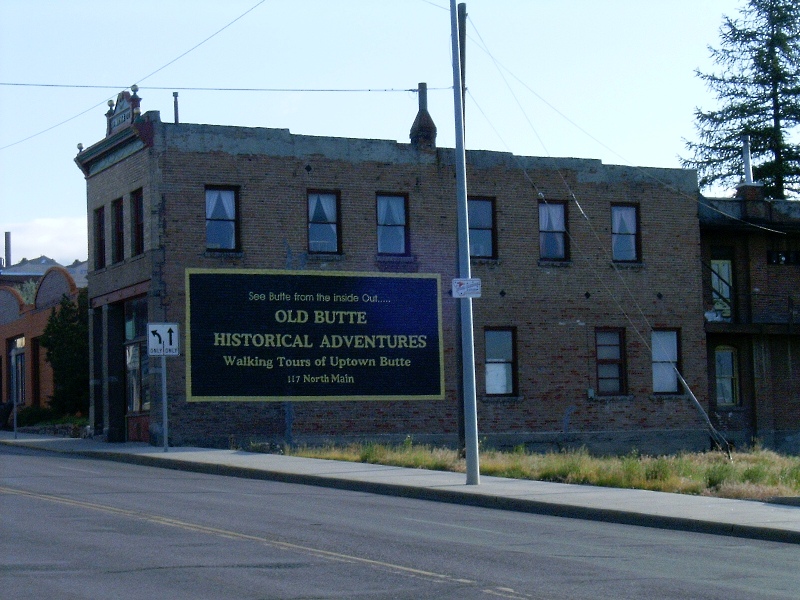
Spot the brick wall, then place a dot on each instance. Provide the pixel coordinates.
(554, 310)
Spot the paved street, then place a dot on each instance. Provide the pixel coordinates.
(88, 528)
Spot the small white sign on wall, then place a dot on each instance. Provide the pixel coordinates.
(467, 288)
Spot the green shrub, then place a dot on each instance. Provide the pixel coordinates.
(34, 415)
(659, 469)
(718, 474)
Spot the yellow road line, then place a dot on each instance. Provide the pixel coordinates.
(235, 535)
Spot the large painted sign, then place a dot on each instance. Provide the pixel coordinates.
(288, 335)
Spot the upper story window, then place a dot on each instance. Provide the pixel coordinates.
(553, 231)
(625, 241)
(117, 231)
(481, 228)
(100, 238)
(721, 286)
(137, 222)
(392, 224)
(221, 218)
(611, 369)
(665, 348)
(501, 362)
(323, 222)
(783, 257)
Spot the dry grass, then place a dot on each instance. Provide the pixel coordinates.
(755, 475)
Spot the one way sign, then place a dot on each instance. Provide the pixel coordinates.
(162, 339)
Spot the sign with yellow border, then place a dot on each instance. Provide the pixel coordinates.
(261, 335)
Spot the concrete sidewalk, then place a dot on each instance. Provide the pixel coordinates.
(741, 518)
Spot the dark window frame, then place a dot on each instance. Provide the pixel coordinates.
(235, 220)
(734, 378)
(621, 361)
(678, 362)
(137, 222)
(338, 221)
(100, 238)
(637, 235)
(513, 363)
(405, 225)
(117, 231)
(564, 233)
(492, 229)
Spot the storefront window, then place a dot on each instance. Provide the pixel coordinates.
(136, 359)
(16, 363)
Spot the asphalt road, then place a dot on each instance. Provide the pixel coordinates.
(74, 527)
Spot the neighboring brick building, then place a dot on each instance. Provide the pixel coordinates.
(26, 377)
(584, 268)
(751, 275)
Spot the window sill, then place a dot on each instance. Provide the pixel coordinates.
(324, 257)
(626, 398)
(396, 263)
(628, 266)
(501, 399)
(223, 254)
(555, 264)
(484, 260)
(668, 397)
(395, 258)
(123, 262)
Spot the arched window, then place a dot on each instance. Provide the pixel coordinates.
(726, 366)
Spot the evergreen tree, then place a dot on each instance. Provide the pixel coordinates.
(758, 90)
(66, 339)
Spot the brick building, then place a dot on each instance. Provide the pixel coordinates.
(25, 375)
(589, 298)
(751, 275)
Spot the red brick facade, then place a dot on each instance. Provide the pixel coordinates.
(553, 308)
(21, 326)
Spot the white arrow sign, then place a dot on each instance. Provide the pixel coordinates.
(163, 339)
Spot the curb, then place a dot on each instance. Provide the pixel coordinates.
(462, 496)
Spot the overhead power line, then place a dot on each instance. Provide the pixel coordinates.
(214, 89)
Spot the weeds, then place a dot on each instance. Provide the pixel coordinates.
(757, 475)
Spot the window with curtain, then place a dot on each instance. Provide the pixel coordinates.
(553, 231)
(323, 222)
(392, 225)
(481, 227)
(666, 360)
(221, 220)
(625, 233)
(611, 370)
(727, 375)
(501, 362)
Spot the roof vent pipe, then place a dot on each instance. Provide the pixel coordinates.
(175, 103)
(748, 169)
(8, 249)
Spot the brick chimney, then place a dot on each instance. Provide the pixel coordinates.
(423, 131)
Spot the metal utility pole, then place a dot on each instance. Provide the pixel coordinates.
(467, 341)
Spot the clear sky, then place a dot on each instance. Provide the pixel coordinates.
(607, 79)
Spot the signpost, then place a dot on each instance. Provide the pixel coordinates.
(163, 341)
